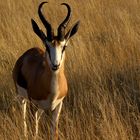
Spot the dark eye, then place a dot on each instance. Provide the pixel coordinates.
(47, 48)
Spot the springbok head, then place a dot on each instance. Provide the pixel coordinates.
(55, 45)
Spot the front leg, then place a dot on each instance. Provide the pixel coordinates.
(38, 115)
(54, 122)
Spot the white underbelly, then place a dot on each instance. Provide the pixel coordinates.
(46, 104)
(43, 104)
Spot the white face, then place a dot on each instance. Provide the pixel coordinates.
(55, 54)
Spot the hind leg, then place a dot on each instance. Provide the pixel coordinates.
(22, 98)
(24, 110)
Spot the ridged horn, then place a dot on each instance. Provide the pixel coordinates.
(47, 25)
(63, 25)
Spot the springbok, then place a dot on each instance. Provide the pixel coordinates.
(39, 75)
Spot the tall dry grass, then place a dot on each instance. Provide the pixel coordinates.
(102, 68)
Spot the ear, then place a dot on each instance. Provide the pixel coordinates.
(73, 30)
(39, 32)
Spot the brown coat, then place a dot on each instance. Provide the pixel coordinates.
(33, 73)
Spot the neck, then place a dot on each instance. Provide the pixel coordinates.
(56, 81)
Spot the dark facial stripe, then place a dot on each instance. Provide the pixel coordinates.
(63, 51)
(48, 50)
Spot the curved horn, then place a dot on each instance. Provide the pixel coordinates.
(46, 23)
(63, 25)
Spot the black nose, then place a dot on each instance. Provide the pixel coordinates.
(55, 67)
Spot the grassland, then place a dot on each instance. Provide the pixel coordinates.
(102, 68)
